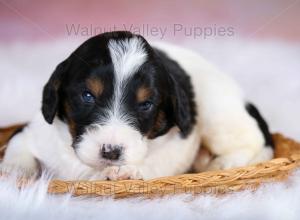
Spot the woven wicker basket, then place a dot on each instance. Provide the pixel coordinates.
(287, 158)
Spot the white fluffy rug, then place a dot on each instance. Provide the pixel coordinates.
(273, 201)
(269, 73)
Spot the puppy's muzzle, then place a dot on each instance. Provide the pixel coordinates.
(111, 152)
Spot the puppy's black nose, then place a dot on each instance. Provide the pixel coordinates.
(111, 152)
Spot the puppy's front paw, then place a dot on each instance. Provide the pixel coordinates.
(122, 173)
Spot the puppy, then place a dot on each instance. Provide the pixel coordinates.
(120, 108)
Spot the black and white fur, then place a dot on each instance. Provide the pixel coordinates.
(120, 108)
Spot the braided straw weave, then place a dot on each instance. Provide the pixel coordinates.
(287, 158)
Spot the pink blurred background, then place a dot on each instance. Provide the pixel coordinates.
(46, 20)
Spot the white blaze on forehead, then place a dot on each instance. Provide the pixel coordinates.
(127, 55)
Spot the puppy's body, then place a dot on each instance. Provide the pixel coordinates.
(207, 109)
(226, 129)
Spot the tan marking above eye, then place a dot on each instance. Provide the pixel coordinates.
(96, 86)
(143, 93)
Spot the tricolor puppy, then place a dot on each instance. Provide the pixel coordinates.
(121, 108)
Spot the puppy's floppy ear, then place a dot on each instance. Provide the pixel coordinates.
(180, 93)
(183, 105)
(51, 93)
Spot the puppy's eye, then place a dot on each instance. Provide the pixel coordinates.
(145, 106)
(88, 97)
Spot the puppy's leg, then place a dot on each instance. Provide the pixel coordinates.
(239, 158)
(18, 157)
(229, 131)
(236, 140)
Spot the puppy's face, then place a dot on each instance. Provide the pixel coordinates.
(115, 95)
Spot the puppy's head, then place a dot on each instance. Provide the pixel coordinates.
(116, 94)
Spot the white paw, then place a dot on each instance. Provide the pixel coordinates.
(235, 159)
(224, 162)
(122, 173)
